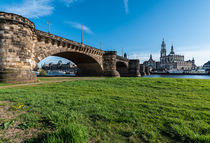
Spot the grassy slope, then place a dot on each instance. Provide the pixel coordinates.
(121, 109)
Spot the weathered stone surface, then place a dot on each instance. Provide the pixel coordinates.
(109, 64)
(147, 70)
(142, 70)
(17, 76)
(134, 68)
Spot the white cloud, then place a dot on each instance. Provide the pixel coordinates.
(78, 26)
(126, 6)
(144, 56)
(201, 53)
(68, 2)
(32, 8)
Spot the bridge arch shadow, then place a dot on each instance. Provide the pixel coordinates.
(87, 65)
(122, 68)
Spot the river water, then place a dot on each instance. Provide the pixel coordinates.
(181, 76)
(154, 75)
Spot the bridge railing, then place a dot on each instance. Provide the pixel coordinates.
(61, 39)
(16, 18)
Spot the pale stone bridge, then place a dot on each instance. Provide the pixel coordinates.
(22, 47)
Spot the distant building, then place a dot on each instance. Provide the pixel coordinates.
(206, 66)
(170, 61)
(59, 67)
(150, 63)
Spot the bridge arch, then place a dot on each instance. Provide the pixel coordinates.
(122, 68)
(88, 65)
(88, 59)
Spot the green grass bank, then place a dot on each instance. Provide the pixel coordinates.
(112, 110)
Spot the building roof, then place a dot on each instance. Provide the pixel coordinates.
(207, 64)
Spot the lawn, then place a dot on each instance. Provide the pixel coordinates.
(109, 110)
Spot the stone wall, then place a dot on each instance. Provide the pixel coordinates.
(109, 64)
(16, 49)
(134, 68)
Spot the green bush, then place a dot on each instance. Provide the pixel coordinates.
(42, 72)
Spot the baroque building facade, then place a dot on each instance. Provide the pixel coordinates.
(206, 67)
(171, 61)
(59, 67)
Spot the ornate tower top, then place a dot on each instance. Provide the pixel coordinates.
(163, 45)
(193, 60)
(151, 56)
(172, 50)
(163, 49)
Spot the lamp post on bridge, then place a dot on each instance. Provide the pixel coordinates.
(100, 45)
(48, 26)
(81, 33)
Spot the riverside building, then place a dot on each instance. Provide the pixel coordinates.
(169, 62)
(206, 66)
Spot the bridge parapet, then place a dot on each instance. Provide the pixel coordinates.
(53, 39)
(14, 18)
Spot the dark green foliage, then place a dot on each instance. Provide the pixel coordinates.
(23, 126)
(6, 125)
(42, 72)
(118, 109)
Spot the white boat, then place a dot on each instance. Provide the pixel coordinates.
(175, 71)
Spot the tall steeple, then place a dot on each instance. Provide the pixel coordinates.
(163, 45)
(163, 49)
(193, 60)
(172, 50)
(151, 56)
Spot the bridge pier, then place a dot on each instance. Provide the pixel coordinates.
(109, 64)
(134, 68)
(142, 70)
(147, 71)
(16, 49)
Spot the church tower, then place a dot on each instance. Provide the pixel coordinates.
(163, 49)
(172, 50)
(150, 57)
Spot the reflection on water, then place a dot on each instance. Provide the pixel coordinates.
(181, 76)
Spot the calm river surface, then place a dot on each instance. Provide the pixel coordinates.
(181, 76)
(154, 75)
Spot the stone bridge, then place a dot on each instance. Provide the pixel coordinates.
(22, 47)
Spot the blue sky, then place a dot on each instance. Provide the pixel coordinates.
(137, 26)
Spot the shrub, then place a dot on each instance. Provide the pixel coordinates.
(42, 72)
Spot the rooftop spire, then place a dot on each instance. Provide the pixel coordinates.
(150, 56)
(172, 50)
(163, 45)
